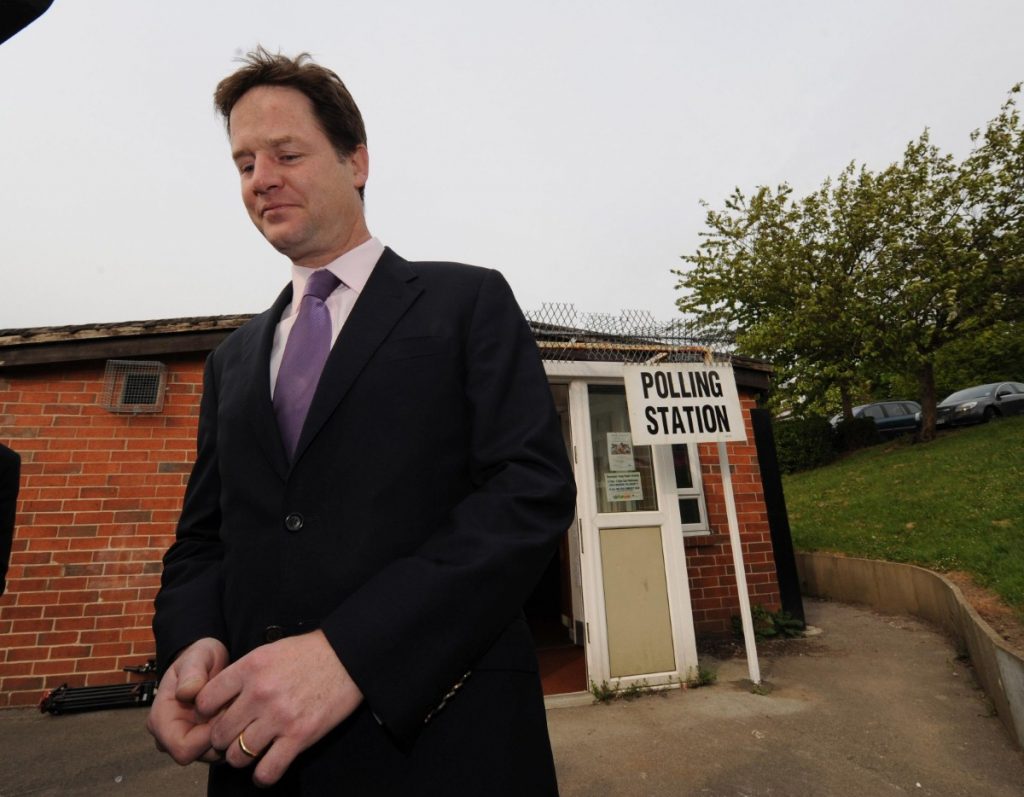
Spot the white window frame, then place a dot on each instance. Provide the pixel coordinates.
(697, 491)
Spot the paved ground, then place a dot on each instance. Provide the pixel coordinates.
(872, 706)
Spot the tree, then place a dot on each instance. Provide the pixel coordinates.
(951, 261)
(873, 275)
(787, 278)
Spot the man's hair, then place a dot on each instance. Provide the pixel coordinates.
(333, 107)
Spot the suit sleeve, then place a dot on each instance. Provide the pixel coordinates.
(435, 613)
(10, 470)
(188, 606)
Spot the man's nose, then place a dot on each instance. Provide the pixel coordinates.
(265, 174)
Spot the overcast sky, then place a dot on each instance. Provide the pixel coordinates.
(566, 143)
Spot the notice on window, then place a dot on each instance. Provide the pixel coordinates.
(683, 403)
(624, 486)
(620, 451)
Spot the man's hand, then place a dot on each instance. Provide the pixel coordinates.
(173, 719)
(284, 697)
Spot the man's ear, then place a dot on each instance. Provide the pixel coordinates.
(360, 160)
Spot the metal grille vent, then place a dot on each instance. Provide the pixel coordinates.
(133, 386)
(633, 336)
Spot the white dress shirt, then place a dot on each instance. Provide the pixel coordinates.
(353, 269)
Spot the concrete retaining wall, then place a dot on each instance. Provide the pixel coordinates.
(905, 589)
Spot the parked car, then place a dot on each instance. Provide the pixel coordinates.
(981, 404)
(891, 417)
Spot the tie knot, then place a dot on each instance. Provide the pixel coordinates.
(321, 284)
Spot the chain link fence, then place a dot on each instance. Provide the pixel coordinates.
(633, 336)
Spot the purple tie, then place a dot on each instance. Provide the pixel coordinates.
(305, 353)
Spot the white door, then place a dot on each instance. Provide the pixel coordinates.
(639, 621)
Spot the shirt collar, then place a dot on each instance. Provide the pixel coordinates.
(352, 268)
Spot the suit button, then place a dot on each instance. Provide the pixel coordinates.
(272, 633)
(293, 522)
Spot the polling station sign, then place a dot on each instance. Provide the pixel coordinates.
(683, 403)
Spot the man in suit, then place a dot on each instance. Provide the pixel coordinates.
(341, 610)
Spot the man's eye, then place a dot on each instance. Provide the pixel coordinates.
(244, 168)
(289, 157)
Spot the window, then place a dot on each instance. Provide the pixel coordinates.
(689, 489)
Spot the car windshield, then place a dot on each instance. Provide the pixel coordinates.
(969, 393)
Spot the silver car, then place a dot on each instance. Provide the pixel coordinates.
(981, 404)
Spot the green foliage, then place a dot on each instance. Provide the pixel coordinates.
(864, 282)
(606, 693)
(603, 692)
(989, 355)
(855, 433)
(995, 354)
(803, 443)
(951, 504)
(770, 625)
(635, 690)
(704, 677)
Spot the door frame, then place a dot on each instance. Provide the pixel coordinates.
(589, 523)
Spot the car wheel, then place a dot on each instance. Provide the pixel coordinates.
(990, 413)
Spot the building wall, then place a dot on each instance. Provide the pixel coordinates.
(99, 498)
(100, 495)
(709, 562)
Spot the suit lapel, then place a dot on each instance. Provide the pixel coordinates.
(257, 371)
(389, 292)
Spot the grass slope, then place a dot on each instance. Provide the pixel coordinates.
(956, 503)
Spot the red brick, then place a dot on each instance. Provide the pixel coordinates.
(66, 677)
(106, 678)
(37, 598)
(138, 635)
(94, 637)
(78, 530)
(78, 505)
(100, 609)
(8, 669)
(69, 651)
(57, 638)
(79, 623)
(30, 626)
(56, 667)
(112, 648)
(63, 611)
(103, 665)
(22, 654)
(21, 684)
(98, 492)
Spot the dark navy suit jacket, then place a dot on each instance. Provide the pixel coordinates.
(10, 471)
(429, 490)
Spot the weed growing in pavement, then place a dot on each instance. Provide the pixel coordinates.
(704, 677)
(606, 693)
(635, 690)
(770, 625)
(602, 692)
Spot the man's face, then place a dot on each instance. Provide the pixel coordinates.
(298, 193)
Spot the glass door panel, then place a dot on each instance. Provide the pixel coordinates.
(624, 473)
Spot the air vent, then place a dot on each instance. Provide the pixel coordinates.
(133, 386)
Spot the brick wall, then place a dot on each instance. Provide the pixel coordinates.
(709, 562)
(100, 494)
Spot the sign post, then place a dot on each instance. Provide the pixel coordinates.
(696, 403)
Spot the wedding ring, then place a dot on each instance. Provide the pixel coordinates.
(246, 750)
